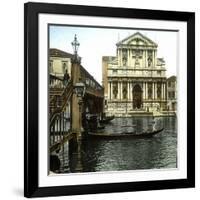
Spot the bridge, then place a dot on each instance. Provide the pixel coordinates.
(69, 103)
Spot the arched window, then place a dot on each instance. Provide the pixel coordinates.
(115, 90)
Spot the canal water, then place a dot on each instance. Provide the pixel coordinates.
(157, 152)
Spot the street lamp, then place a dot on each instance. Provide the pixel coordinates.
(79, 89)
(75, 46)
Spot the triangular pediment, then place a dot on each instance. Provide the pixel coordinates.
(137, 39)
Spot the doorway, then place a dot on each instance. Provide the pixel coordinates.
(137, 97)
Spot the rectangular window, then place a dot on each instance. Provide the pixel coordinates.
(51, 66)
(64, 66)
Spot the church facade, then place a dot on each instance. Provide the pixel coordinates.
(134, 80)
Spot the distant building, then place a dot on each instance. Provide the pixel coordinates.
(59, 62)
(105, 63)
(134, 80)
(172, 93)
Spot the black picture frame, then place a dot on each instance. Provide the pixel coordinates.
(31, 13)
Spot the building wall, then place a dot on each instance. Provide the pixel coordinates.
(135, 80)
(58, 66)
(172, 93)
(105, 61)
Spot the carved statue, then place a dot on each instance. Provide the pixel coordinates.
(124, 60)
(124, 57)
(149, 61)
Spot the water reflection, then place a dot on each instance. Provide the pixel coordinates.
(157, 152)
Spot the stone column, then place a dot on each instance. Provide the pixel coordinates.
(146, 90)
(118, 90)
(128, 57)
(164, 92)
(109, 90)
(118, 57)
(128, 90)
(156, 91)
(153, 61)
(121, 91)
(131, 91)
(146, 59)
(75, 106)
(153, 90)
(76, 111)
(143, 89)
(155, 58)
(143, 58)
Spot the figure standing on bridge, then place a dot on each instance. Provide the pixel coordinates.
(66, 78)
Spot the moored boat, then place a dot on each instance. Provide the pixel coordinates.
(106, 120)
(145, 134)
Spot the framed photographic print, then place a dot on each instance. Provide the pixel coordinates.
(109, 99)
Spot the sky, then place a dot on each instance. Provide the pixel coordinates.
(98, 42)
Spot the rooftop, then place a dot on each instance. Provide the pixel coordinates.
(137, 35)
(53, 52)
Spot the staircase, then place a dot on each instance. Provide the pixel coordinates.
(58, 100)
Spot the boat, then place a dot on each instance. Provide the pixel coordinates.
(128, 125)
(145, 134)
(106, 120)
(92, 124)
(99, 127)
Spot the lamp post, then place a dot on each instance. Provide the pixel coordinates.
(77, 102)
(75, 76)
(75, 46)
(79, 90)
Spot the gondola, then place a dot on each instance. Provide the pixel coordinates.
(106, 119)
(145, 134)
